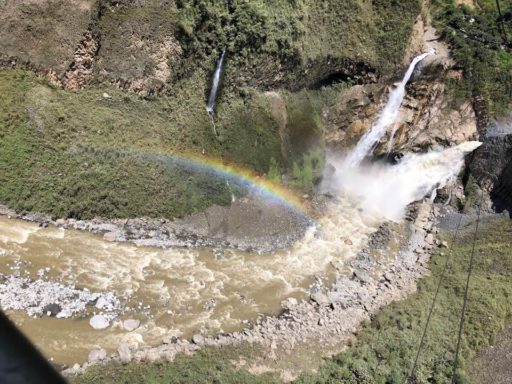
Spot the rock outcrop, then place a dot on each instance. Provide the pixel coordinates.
(427, 117)
(491, 166)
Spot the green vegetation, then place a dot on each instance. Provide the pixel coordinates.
(386, 346)
(293, 43)
(308, 172)
(80, 154)
(206, 367)
(481, 43)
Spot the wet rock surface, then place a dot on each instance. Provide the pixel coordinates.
(491, 166)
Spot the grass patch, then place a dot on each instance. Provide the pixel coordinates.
(79, 154)
(207, 366)
(293, 43)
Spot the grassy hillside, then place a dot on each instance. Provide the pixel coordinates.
(481, 43)
(81, 155)
(386, 346)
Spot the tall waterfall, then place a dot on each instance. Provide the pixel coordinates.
(387, 117)
(215, 84)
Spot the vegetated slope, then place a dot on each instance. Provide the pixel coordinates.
(386, 347)
(60, 147)
(481, 42)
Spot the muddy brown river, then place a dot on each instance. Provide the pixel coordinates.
(173, 292)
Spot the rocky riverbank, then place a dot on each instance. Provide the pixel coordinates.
(332, 313)
(248, 224)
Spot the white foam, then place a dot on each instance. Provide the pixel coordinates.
(384, 190)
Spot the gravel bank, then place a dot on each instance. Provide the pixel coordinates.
(270, 226)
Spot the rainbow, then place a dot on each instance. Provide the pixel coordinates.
(264, 187)
(238, 175)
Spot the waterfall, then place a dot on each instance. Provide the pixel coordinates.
(215, 84)
(385, 190)
(387, 117)
(391, 138)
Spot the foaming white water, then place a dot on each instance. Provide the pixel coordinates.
(174, 285)
(387, 117)
(384, 190)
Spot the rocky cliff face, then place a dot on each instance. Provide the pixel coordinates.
(146, 45)
(491, 166)
(428, 118)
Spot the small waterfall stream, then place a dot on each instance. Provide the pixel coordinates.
(387, 117)
(210, 107)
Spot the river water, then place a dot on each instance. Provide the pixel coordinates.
(169, 289)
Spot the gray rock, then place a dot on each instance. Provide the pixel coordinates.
(289, 303)
(101, 303)
(320, 298)
(97, 355)
(131, 324)
(52, 309)
(125, 353)
(99, 322)
(198, 339)
(363, 276)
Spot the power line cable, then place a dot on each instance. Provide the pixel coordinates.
(432, 307)
(464, 305)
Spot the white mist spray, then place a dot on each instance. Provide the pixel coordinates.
(387, 117)
(385, 190)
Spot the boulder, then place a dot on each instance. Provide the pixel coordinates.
(289, 303)
(52, 309)
(198, 339)
(125, 353)
(97, 355)
(99, 322)
(131, 324)
(363, 276)
(320, 298)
